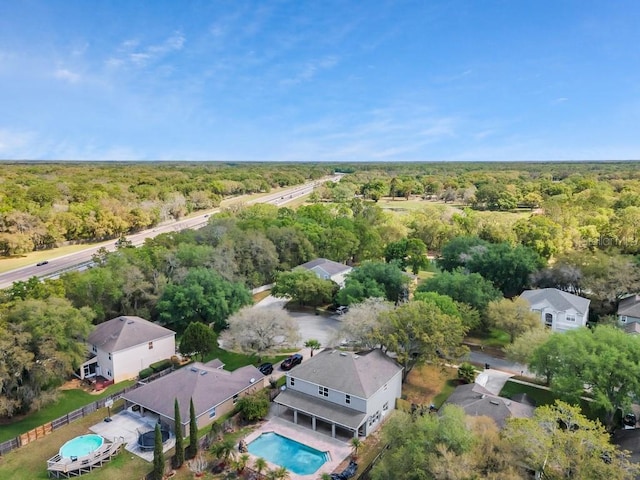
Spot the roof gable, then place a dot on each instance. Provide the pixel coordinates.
(125, 332)
(207, 384)
(329, 266)
(557, 299)
(630, 306)
(360, 374)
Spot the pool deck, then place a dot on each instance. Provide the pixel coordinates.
(338, 450)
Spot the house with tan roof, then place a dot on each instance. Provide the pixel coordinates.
(214, 391)
(347, 393)
(119, 348)
(558, 310)
(328, 269)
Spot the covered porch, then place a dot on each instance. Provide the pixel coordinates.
(320, 415)
(89, 369)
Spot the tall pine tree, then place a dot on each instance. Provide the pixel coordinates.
(193, 431)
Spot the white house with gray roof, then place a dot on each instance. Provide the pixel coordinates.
(214, 391)
(119, 348)
(629, 310)
(328, 269)
(348, 392)
(560, 311)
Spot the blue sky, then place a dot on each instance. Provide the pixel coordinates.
(376, 80)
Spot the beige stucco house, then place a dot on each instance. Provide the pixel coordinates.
(119, 348)
(214, 391)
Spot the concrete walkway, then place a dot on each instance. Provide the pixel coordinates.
(493, 380)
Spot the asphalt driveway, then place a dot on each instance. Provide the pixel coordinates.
(323, 328)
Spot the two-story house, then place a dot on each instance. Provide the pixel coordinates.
(560, 311)
(119, 348)
(350, 392)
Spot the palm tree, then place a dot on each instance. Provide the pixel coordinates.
(241, 462)
(313, 345)
(282, 474)
(356, 443)
(325, 476)
(260, 465)
(224, 450)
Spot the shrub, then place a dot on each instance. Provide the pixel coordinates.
(161, 365)
(467, 372)
(144, 373)
(253, 407)
(175, 361)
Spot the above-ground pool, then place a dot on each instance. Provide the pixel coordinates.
(81, 446)
(147, 440)
(294, 456)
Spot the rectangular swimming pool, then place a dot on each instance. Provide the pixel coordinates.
(294, 456)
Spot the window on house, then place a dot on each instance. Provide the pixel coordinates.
(109, 374)
(212, 412)
(571, 318)
(235, 398)
(548, 319)
(623, 319)
(385, 386)
(292, 381)
(385, 407)
(347, 399)
(150, 345)
(94, 349)
(324, 391)
(109, 356)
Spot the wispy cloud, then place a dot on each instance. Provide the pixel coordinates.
(310, 70)
(131, 52)
(67, 75)
(558, 101)
(12, 140)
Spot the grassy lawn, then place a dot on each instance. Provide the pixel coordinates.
(539, 395)
(30, 461)
(68, 400)
(495, 339)
(233, 360)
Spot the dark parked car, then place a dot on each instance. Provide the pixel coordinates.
(39, 264)
(292, 361)
(266, 368)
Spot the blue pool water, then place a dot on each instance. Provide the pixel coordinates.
(294, 456)
(81, 446)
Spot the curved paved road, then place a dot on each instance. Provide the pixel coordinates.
(73, 261)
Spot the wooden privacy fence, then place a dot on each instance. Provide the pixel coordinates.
(52, 426)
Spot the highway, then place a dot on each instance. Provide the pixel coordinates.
(80, 259)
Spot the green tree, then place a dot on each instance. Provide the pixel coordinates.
(177, 422)
(312, 344)
(471, 288)
(418, 332)
(197, 339)
(522, 348)
(362, 322)
(560, 443)
(304, 287)
(605, 361)
(456, 253)
(260, 465)
(541, 234)
(158, 456)
(202, 296)
(514, 316)
(408, 252)
(193, 431)
(371, 279)
(253, 407)
(467, 372)
(224, 450)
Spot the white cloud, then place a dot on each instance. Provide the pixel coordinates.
(131, 52)
(13, 141)
(310, 70)
(559, 100)
(67, 75)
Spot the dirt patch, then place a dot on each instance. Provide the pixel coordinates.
(73, 384)
(425, 382)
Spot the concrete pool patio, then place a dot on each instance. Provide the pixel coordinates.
(338, 450)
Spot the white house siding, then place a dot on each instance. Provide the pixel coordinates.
(127, 363)
(626, 319)
(385, 395)
(340, 278)
(560, 322)
(335, 396)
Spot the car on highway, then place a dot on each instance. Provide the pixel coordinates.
(290, 362)
(266, 368)
(39, 264)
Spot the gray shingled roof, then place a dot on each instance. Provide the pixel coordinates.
(125, 332)
(329, 266)
(630, 306)
(558, 299)
(360, 374)
(206, 384)
(320, 408)
(477, 401)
